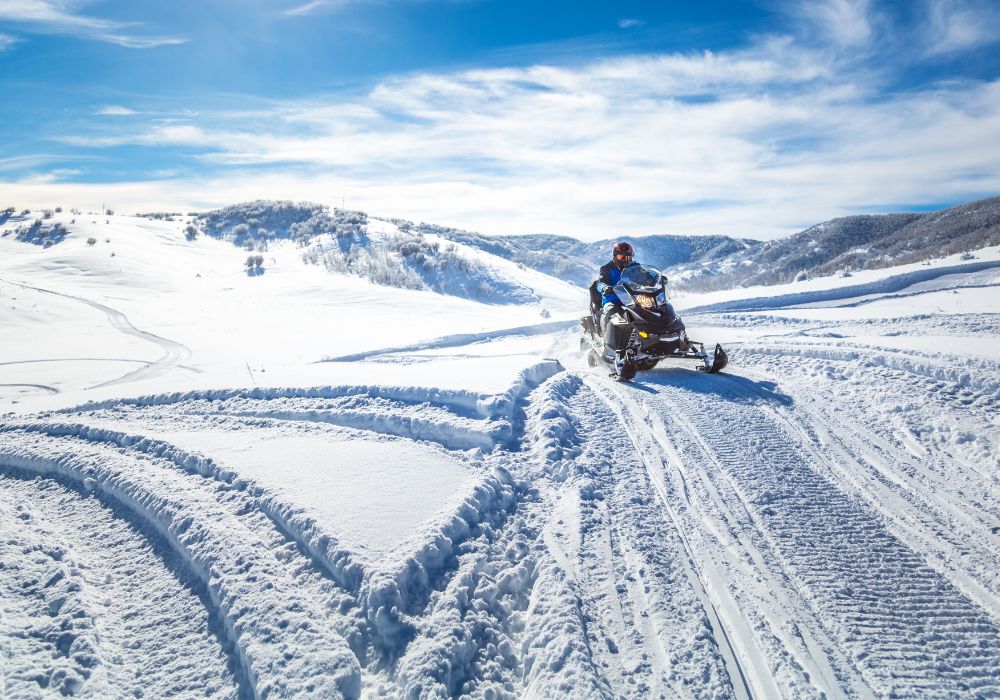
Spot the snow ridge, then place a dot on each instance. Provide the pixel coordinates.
(387, 599)
(324, 547)
(390, 597)
(231, 562)
(483, 405)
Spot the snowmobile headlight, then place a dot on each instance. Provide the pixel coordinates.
(646, 301)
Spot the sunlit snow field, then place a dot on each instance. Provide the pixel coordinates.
(312, 485)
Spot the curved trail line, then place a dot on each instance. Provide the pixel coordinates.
(173, 352)
(385, 597)
(459, 340)
(41, 387)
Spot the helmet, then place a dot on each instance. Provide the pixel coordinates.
(622, 254)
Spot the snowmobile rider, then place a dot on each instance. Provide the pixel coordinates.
(611, 273)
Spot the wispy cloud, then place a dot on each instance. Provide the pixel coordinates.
(168, 134)
(846, 23)
(115, 111)
(16, 163)
(313, 6)
(7, 41)
(59, 17)
(627, 23)
(957, 25)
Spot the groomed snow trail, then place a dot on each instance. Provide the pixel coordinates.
(641, 620)
(890, 614)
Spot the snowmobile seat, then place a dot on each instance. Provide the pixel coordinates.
(595, 298)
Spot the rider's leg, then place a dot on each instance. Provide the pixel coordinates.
(608, 313)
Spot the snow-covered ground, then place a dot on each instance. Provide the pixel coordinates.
(299, 484)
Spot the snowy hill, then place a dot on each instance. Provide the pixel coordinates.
(289, 481)
(348, 242)
(238, 320)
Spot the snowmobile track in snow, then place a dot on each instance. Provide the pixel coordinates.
(747, 669)
(743, 543)
(625, 560)
(228, 546)
(899, 622)
(88, 601)
(234, 532)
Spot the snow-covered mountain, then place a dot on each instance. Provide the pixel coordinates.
(578, 262)
(285, 480)
(854, 243)
(707, 263)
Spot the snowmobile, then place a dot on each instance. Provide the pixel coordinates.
(646, 332)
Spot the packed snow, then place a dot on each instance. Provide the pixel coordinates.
(296, 482)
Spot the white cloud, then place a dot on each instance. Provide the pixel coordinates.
(115, 111)
(311, 7)
(955, 25)
(758, 142)
(7, 41)
(163, 134)
(627, 23)
(847, 23)
(58, 17)
(15, 163)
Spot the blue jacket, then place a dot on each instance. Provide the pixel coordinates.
(610, 276)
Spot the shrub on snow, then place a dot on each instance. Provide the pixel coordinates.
(254, 264)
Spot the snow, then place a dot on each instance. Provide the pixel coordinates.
(300, 484)
(374, 494)
(834, 287)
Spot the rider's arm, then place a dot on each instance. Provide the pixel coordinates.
(604, 282)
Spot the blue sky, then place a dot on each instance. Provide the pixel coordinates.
(589, 119)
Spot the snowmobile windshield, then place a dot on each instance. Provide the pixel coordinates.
(642, 278)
